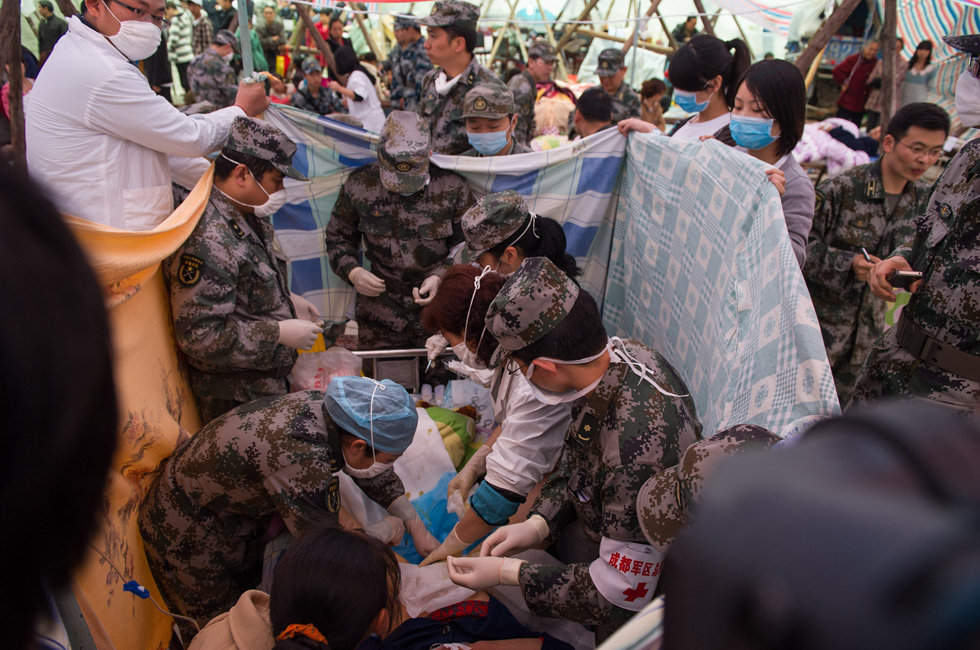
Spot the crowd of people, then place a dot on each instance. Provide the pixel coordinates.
(591, 432)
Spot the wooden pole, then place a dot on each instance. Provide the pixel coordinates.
(367, 34)
(501, 35)
(888, 64)
(619, 39)
(705, 20)
(321, 44)
(823, 35)
(67, 8)
(562, 70)
(629, 43)
(574, 28)
(814, 67)
(714, 17)
(517, 30)
(744, 37)
(11, 56)
(663, 25)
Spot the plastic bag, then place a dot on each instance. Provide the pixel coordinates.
(314, 370)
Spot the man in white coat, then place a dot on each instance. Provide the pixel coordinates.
(100, 140)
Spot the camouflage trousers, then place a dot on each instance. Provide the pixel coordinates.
(891, 371)
(389, 321)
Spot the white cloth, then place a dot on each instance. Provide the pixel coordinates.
(692, 130)
(369, 110)
(99, 138)
(531, 435)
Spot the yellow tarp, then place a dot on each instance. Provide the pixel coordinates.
(156, 411)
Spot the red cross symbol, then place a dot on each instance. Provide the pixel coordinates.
(639, 592)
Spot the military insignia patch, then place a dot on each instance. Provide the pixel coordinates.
(590, 427)
(945, 210)
(480, 104)
(818, 203)
(238, 230)
(403, 167)
(604, 65)
(470, 78)
(189, 272)
(333, 495)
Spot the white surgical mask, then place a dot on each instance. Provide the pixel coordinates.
(968, 99)
(376, 469)
(227, 57)
(468, 356)
(136, 39)
(275, 200)
(570, 395)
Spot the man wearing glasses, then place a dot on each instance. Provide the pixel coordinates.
(868, 209)
(933, 352)
(103, 143)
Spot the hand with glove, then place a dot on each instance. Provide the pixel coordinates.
(463, 482)
(389, 530)
(426, 292)
(305, 310)
(435, 345)
(424, 542)
(515, 538)
(452, 546)
(365, 282)
(480, 573)
(298, 334)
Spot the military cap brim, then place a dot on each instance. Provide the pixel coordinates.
(969, 43)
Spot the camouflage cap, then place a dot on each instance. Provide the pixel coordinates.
(492, 220)
(610, 62)
(311, 65)
(531, 303)
(225, 37)
(969, 43)
(404, 21)
(664, 502)
(261, 140)
(403, 153)
(488, 101)
(542, 50)
(452, 12)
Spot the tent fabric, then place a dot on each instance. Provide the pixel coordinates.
(702, 269)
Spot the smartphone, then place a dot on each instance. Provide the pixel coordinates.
(903, 279)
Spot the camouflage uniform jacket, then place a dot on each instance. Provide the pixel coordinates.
(445, 112)
(211, 79)
(525, 95)
(621, 434)
(325, 102)
(517, 147)
(849, 215)
(204, 515)
(406, 239)
(409, 66)
(626, 103)
(228, 291)
(946, 248)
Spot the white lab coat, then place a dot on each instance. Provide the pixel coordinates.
(369, 110)
(531, 434)
(98, 138)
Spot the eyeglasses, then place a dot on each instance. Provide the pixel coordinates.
(142, 14)
(920, 151)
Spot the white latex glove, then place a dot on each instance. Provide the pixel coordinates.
(453, 545)
(424, 541)
(515, 538)
(389, 530)
(305, 310)
(426, 292)
(463, 482)
(299, 334)
(479, 573)
(435, 345)
(365, 282)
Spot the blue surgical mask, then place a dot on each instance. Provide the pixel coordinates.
(689, 101)
(752, 132)
(488, 144)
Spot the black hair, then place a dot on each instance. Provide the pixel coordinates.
(46, 4)
(447, 311)
(224, 167)
(545, 238)
(924, 115)
(580, 334)
(58, 413)
(595, 105)
(923, 45)
(705, 57)
(369, 57)
(335, 19)
(467, 34)
(778, 85)
(337, 580)
(652, 87)
(346, 62)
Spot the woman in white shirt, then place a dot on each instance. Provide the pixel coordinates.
(359, 91)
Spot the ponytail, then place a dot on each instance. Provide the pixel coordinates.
(544, 238)
(705, 57)
(741, 60)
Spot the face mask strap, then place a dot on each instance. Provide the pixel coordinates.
(619, 353)
(476, 287)
(267, 195)
(377, 385)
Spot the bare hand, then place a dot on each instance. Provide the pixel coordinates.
(880, 286)
(336, 87)
(862, 267)
(251, 98)
(777, 178)
(635, 124)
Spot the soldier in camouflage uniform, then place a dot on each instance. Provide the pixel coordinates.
(234, 316)
(933, 352)
(860, 210)
(409, 63)
(210, 76)
(273, 461)
(408, 215)
(490, 122)
(541, 60)
(631, 418)
(611, 72)
(311, 95)
(445, 87)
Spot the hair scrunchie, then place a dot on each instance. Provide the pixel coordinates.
(309, 631)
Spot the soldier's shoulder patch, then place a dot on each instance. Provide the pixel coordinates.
(945, 210)
(589, 428)
(333, 495)
(470, 78)
(189, 272)
(818, 200)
